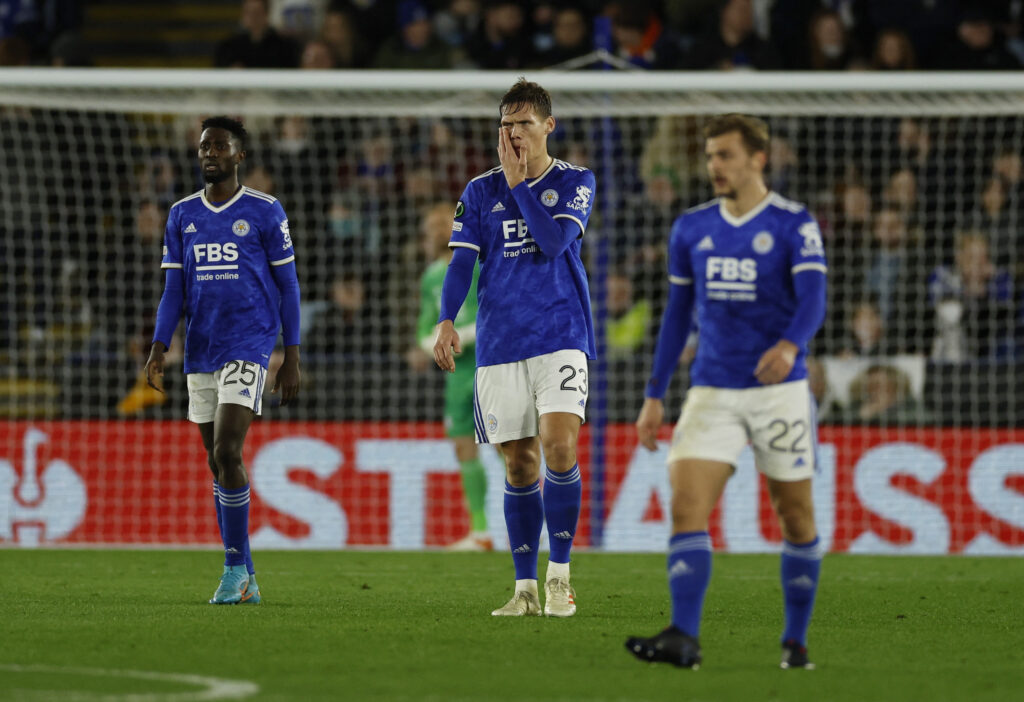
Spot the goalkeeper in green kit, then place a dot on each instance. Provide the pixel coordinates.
(458, 391)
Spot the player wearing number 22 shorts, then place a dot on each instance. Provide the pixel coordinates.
(229, 265)
(750, 266)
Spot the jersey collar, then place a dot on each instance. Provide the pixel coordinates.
(740, 221)
(229, 203)
(541, 176)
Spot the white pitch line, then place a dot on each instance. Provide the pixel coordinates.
(214, 688)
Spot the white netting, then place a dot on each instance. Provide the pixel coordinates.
(916, 179)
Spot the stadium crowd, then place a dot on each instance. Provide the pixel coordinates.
(922, 218)
(527, 34)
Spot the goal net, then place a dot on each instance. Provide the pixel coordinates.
(916, 180)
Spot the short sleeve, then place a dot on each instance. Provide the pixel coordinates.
(680, 268)
(172, 256)
(276, 237)
(807, 251)
(466, 222)
(578, 203)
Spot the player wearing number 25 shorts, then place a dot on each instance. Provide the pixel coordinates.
(230, 266)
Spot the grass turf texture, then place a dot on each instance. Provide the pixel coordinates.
(417, 626)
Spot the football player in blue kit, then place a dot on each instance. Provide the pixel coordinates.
(525, 220)
(752, 264)
(229, 265)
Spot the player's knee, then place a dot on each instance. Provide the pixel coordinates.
(227, 457)
(521, 473)
(690, 512)
(797, 522)
(559, 455)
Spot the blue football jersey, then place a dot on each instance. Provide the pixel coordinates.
(232, 304)
(742, 270)
(529, 304)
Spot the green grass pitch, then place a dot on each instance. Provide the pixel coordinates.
(417, 626)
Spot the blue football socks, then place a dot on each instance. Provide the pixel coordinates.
(801, 565)
(563, 493)
(689, 570)
(234, 509)
(220, 525)
(524, 517)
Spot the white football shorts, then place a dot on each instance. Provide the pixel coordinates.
(509, 398)
(779, 421)
(237, 383)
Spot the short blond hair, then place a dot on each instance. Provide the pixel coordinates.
(754, 131)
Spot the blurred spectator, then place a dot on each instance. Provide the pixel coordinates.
(70, 50)
(893, 52)
(259, 178)
(927, 25)
(501, 41)
(782, 165)
(373, 21)
(299, 19)
(830, 46)
(732, 44)
(457, 22)
(257, 45)
(349, 325)
(354, 238)
(978, 46)
(15, 51)
(317, 55)
(866, 333)
(415, 46)
(890, 275)
(900, 192)
(792, 27)
(339, 33)
(570, 35)
(641, 38)
(882, 395)
(628, 319)
(973, 305)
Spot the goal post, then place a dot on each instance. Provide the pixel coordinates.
(917, 180)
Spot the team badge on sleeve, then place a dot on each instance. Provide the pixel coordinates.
(581, 203)
(240, 227)
(549, 197)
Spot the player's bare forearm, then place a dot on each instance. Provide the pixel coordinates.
(155, 366)
(446, 345)
(776, 363)
(288, 375)
(652, 414)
